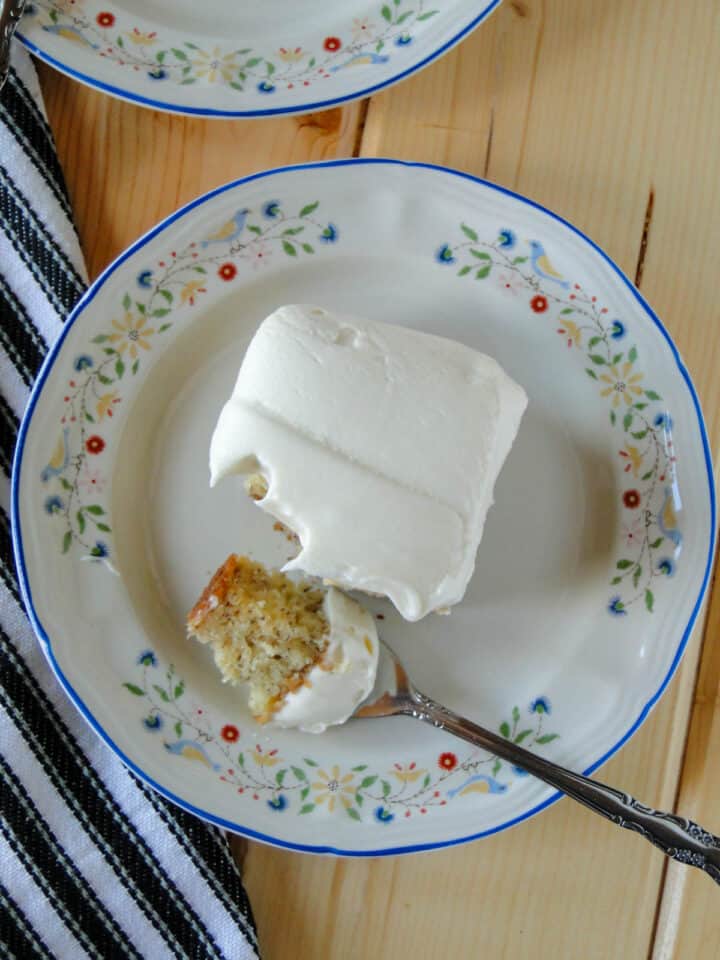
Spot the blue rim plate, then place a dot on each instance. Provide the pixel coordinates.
(595, 557)
(281, 63)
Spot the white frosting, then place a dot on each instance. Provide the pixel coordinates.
(381, 446)
(333, 690)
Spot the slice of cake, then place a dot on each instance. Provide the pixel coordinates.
(379, 446)
(308, 655)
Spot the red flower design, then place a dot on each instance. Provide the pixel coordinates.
(332, 44)
(447, 761)
(105, 19)
(539, 303)
(631, 499)
(94, 444)
(230, 733)
(228, 271)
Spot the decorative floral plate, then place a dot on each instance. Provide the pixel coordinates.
(223, 58)
(589, 576)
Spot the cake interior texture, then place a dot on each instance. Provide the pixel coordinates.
(264, 629)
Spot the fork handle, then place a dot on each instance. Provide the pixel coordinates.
(10, 13)
(677, 837)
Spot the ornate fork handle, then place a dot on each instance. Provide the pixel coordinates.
(10, 13)
(680, 839)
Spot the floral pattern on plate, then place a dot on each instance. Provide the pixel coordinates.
(306, 786)
(650, 500)
(74, 478)
(365, 42)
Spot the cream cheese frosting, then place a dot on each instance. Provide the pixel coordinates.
(380, 446)
(334, 688)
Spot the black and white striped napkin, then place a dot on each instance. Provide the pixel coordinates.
(92, 862)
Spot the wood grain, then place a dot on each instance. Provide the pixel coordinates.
(592, 109)
(128, 167)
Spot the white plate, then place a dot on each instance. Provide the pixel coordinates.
(595, 555)
(224, 58)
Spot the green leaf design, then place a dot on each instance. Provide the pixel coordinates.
(95, 509)
(359, 799)
(657, 543)
(80, 521)
(307, 808)
(505, 729)
(483, 272)
(426, 16)
(89, 417)
(624, 564)
(254, 229)
(598, 360)
(164, 327)
(651, 395)
(403, 17)
(136, 366)
(178, 729)
(646, 476)
(104, 380)
(119, 368)
(591, 373)
(241, 759)
(289, 248)
(617, 358)
(312, 763)
(515, 714)
(632, 354)
(359, 769)
(304, 792)
(66, 485)
(636, 575)
(279, 777)
(126, 301)
(426, 780)
(292, 231)
(367, 782)
(480, 254)
(352, 812)
(522, 260)
(167, 294)
(178, 691)
(613, 417)
(67, 540)
(103, 526)
(593, 341)
(100, 338)
(298, 773)
(310, 208)
(547, 738)
(308, 248)
(469, 233)
(137, 691)
(496, 767)
(649, 600)
(570, 310)
(386, 788)
(615, 580)
(387, 13)
(627, 421)
(522, 736)
(464, 271)
(180, 54)
(161, 693)
(639, 434)
(160, 312)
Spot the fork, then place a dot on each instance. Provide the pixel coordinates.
(395, 695)
(10, 13)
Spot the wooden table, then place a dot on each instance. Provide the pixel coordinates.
(607, 111)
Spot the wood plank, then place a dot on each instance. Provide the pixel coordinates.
(586, 107)
(128, 167)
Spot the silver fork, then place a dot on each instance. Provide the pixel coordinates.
(395, 695)
(10, 13)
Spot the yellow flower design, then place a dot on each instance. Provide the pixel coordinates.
(572, 332)
(633, 458)
(142, 39)
(621, 384)
(332, 787)
(215, 67)
(190, 290)
(407, 772)
(104, 406)
(263, 759)
(291, 56)
(130, 333)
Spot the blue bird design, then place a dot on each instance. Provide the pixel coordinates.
(192, 750)
(59, 459)
(229, 231)
(361, 60)
(70, 33)
(480, 783)
(667, 518)
(542, 266)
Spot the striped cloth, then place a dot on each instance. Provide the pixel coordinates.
(92, 862)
